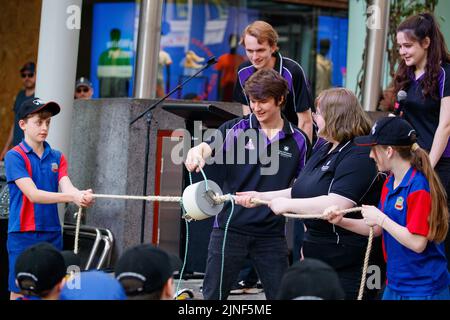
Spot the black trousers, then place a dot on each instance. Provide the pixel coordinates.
(347, 261)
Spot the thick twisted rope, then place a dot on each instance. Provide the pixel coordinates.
(366, 264)
(147, 198)
(224, 198)
(77, 230)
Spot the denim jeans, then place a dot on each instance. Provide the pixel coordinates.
(269, 255)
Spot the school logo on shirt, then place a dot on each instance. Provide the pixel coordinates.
(399, 203)
(285, 152)
(326, 166)
(55, 167)
(250, 145)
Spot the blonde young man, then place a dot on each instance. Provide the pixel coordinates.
(260, 42)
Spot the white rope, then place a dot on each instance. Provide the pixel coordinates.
(366, 264)
(147, 198)
(228, 197)
(77, 230)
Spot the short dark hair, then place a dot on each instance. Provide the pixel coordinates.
(267, 83)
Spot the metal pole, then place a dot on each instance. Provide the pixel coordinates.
(377, 27)
(147, 55)
(57, 64)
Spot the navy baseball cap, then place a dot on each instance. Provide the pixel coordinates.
(29, 66)
(145, 269)
(39, 268)
(389, 131)
(83, 81)
(35, 105)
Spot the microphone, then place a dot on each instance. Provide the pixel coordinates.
(399, 104)
(211, 61)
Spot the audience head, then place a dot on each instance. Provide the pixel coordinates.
(310, 279)
(40, 271)
(146, 273)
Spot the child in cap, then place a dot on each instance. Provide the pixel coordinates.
(310, 279)
(412, 214)
(34, 171)
(40, 272)
(92, 285)
(146, 273)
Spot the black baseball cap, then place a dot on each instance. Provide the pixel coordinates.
(39, 268)
(389, 131)
(310, 279)
(145, 269)
(35, 105)
(29, 66)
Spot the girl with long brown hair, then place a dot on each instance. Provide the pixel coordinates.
(424, 74)
(412, 214)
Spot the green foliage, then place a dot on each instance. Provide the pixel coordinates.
(399, 11)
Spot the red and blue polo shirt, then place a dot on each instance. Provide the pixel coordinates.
(46, 172)
(410, 273)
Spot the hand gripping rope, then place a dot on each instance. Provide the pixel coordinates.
(204, 200)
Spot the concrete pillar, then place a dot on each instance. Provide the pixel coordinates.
(377, 27)
(147, 56)
(57, 63)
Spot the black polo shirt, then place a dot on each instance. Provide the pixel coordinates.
(299, 98)
(346, 171)
(243, 170)
(423, 112)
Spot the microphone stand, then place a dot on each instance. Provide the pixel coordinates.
(149, 117)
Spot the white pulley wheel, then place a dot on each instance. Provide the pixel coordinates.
(199, 203)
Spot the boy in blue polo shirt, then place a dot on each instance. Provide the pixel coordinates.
(34, 172)
(412, 214)
(254, 233)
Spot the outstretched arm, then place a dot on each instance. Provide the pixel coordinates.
(35, 195)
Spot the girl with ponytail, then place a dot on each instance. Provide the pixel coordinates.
(424, 74)
(412, 214)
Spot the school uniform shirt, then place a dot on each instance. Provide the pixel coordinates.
(346, 171)
(299, 98)
(410, 273)
(245, 152)
(46, 172)
(423, 112)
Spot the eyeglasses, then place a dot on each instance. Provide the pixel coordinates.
(82, 89)
(27, 75)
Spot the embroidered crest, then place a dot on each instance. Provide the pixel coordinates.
(55, 167)
(399, 203)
